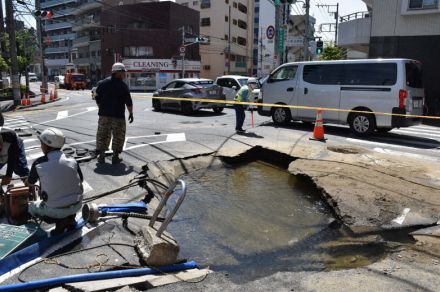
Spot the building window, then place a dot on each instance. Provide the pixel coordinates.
(226, 37)
(226, 18)
(242, 24)
(205, 21)
(205, 4)
(195, 3)
(138, 51)
(227, 1)
(234, 21)
(240, 61)
(422, 4)
(234, 39)
(241, 41)
(207, 67)
(242, 8)
(234, 4)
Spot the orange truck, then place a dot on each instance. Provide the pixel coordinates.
(75, 81)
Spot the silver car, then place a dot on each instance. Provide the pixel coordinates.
(189, 88)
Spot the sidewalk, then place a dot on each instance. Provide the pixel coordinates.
(8, 105)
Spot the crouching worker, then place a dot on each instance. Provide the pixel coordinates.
(61, 189)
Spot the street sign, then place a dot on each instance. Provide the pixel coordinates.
(280, 40)
(270, 32)
(294, 41)
(182, 49)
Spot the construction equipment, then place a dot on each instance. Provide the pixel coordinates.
(75, 81)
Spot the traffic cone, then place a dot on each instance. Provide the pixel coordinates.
(43, 98)
(318, 131)
(55, 93)
(28, 101)
(23, 101)
(51, 95)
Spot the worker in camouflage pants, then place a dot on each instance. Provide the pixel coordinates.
(112, 97)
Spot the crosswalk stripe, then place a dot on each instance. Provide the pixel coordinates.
(417, 134)
(435, 131)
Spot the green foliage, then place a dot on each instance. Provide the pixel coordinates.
(332, 53)
(3, 65)
(26, 42)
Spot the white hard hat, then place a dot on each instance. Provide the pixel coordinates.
(118, 67)
(252, 80)
(52, 137)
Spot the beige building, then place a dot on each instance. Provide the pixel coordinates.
(229, 26)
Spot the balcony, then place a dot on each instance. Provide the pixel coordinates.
(63, 13)
(86, 5)
(62, 37)
(51, 3)
(58, 50)
(55, 62)
(355, 31)
(84, 41)
(87, 61)
(59, 25)
(85, 24)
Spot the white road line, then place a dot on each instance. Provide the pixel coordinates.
(418, 134)
(433, 145)
(62, 115)
(412, 129)
(30, 148)
(87, 187)
(400, 153)
(89, 109)
(29, 140)
(177, 137)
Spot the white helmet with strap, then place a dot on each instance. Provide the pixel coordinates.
(252, 81)
(118, 67)
(52, 137)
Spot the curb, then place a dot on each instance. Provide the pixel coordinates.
(37, 103)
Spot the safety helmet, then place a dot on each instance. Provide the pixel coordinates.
(118, 67)
(252, 81)
(52, 137)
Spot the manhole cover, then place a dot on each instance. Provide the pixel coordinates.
(346, 149)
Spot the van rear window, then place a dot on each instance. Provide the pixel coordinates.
(351, 74)
(414, 75)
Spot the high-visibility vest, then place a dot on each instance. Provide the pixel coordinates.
(244, 94)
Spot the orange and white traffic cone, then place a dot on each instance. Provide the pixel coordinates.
(23, 101)
(55, 93)
(43, 98)
(51, 95)
(318, 131)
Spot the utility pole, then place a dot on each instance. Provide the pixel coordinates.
(43, 87)
(306, 31)
(336, 13)
(14, 64)
(337, 22)
(261, 52)
(229, 41)
(2, 29)
(183, 54)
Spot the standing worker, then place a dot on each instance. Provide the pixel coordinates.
(112, 96)
(12, 153)
(243, 95)
(61, 189)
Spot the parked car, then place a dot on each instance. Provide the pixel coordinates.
(32, 77)
(189, 88)
(59, 81)
(232, 83)
(390, 86)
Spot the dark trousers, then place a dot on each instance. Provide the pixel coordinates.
(239, 116)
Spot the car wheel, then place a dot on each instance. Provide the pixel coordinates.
(187, 108)
(281, 116)
(156, 105)
(362, 124)
(217, 109)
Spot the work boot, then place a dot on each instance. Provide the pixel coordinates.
(101, 157)
(68, 223)
(116, 159)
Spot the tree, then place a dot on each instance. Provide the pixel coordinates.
(332, 53)
(3, 65)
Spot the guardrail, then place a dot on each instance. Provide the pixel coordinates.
(356, 15)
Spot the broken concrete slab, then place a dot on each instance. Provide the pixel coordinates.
(148, 280)
(432, 231)
(155, 250)
(410, 218)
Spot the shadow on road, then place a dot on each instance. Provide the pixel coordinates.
(250, 134)
(119, 169)
(345, 132)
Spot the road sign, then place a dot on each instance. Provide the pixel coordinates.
(280, 40)
(11, 237)
(270, 32)
(294, 41)
(182, 49)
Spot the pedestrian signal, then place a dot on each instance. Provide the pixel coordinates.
(319, 47)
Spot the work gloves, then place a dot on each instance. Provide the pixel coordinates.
(130, 118)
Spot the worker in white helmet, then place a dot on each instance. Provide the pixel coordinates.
(243, 95)
(60, 177)
(112, 97)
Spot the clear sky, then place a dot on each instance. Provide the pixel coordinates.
(321, 14)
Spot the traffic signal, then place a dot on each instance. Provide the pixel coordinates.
(43, 13)
(319, 47)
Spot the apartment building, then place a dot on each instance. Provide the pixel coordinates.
(146, 37)
(296, 30)
(229, 26)
(263, 51)
(57, 34)
(400, 29)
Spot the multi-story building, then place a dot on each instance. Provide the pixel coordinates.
(400, 29)
(86, 47)
(146, 37)
(296, 30)
(229, 26)
(57, 34)
(263, 52)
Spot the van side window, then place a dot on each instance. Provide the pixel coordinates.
(331, 74)
(370, 74)
(284, 73)
(414, 75)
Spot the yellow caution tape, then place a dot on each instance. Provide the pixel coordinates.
(291, 106)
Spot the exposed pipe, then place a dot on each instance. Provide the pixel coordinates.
(50, 282)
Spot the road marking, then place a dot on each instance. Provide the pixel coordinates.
(400, 153)
(29, 140)
(399, 220)
(176, 137)
(89, 109)
(147, 109)
(87, 188)
(417, 143)
(62, 115)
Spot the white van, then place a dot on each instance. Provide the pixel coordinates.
(392, 86)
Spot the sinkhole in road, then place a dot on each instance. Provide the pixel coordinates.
(255, 219)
